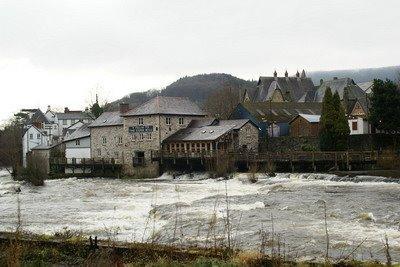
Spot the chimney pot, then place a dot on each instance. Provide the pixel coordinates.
(66, 110)
(123, 107)
(297, 74)
(286, 74)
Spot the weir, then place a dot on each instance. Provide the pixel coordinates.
(295, 161)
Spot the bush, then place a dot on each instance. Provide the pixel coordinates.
(35, 173)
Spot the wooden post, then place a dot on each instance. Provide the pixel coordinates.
(348, 161)
(313, 162)
(336, 163)
(291, 161)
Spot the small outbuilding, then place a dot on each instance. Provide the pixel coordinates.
(305, 125)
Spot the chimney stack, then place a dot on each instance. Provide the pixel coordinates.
(66, 110)
(48, 108)
(321, 82)
(335, 78)
(275, 74)
(297, 74)
(286, 74)
(123, 107)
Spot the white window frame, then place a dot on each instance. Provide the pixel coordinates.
(168, 120)
(140, 120)
(181, 120)
(104, 140)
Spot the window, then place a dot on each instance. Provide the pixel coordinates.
(104, 140)
(77, 142)
(140, 120)
(64, 122)
(180, 121)
(119, 140)
(141, 136)
(354, 126)
(38, 136)
(72, 121)
(31, 136)
(138, 158)
(149, 136)
(168, 120)
(99, 152)
(55, 127)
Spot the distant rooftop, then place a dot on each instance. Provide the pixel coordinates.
(112, 118)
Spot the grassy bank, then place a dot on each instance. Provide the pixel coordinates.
(67, 250)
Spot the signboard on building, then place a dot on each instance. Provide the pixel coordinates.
(141, 129)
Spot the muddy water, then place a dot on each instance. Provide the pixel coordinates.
(286, 211)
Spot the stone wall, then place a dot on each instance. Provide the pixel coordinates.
(148, 142)
(248, 136)
(113, 148)
(288, 143)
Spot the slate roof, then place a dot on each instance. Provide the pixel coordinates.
(292, 88)
(38, 116)
(236, 124)
(202, 122)
(111, 118)
(73, 115)
(309, 118)
(339, 85)
(366, 87)
(281, 111)
(79, 133)
(167, 105)
(45, 147)
(206, 133)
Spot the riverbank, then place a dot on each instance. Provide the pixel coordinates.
(381, 173)
(70, 250)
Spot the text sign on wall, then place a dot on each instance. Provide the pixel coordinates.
(141, 129)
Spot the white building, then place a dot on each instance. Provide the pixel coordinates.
(63, 120)
(77, 147)
(32, 137)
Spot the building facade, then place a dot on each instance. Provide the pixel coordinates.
(304, 125)
(147, 126)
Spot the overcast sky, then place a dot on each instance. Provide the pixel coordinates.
(62, 52)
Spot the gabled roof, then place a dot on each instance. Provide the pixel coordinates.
(38, 116)
(282, 111)
(367, 86)
(110, 118)
(236, 124)
(309, 118)
(339, 85)
(292, 88)
(27, 127)
(206, 133)
(166, 105)
(202, 122)
(73, 115)
(45, 147)
(79, 133)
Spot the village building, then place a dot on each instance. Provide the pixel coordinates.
(281, 89)
(272, 118)
(106, 134)
(32, 137)
(63, 120)
(147, 126)
(210, 136)
(354, 100)
(45, 152)
(68, 131)
(305, 125)
(77, 149)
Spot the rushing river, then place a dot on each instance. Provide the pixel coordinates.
(286, 211)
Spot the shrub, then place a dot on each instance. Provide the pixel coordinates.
(35, 172)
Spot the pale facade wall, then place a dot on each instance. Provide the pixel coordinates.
(32, 138)
(248, 136)
(362, 126)
(78, 150)
(112, 148)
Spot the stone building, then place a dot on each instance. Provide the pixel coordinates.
(281, 89)
(210, 136)
(148, 125)
(106, 135)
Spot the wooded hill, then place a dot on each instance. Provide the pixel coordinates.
(199, 87)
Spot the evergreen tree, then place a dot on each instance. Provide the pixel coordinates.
(327, 122)
(385, 106)
(341, 125)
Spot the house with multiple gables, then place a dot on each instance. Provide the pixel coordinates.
(301, 89)
(273, 118)
(211, 135)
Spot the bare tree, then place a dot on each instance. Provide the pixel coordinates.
(222, 102)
